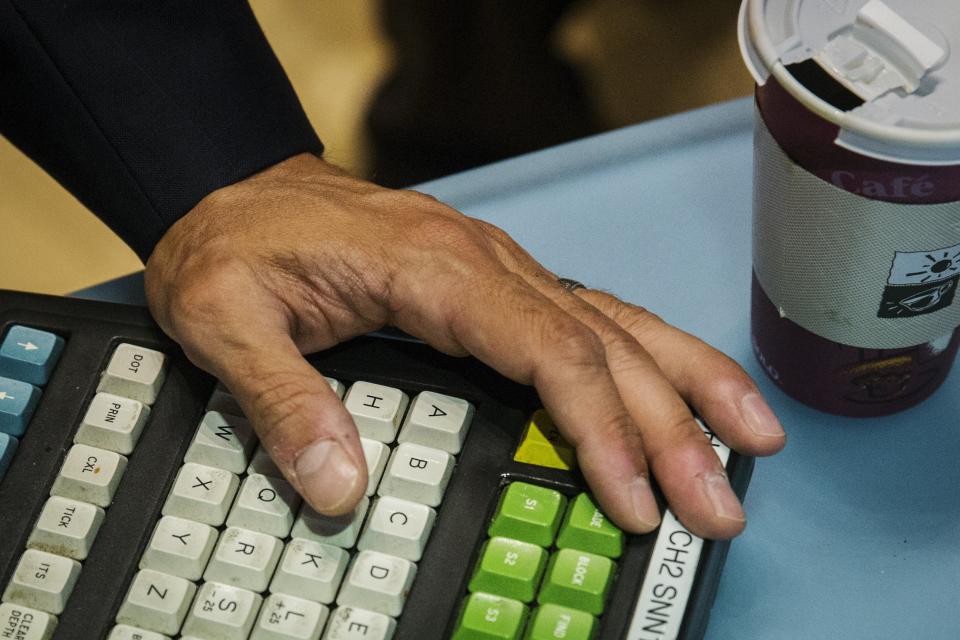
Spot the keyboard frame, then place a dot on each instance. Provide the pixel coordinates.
(92, 329)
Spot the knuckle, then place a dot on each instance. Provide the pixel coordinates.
(572, 341)
(680, 432)
(635, 319)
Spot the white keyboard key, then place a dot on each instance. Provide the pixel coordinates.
(222, 612)
(90, 475)
(134, 372)
(376, 455)
(285, 617)
(417, 473)
(439, 421)
(66, 527)
(262, 463)
(351, 623)
(265, 504)
(222, 441)
(201, 493)
(113, 423)
(377, 410)
(179, 547)
(378, 582)
(42, 581)
(23, 623)
(223, 401)
(244, 558)
(156, 602)
(310, 569)
(398, 527)
(126, 632)
(340, 531)
(337, 386)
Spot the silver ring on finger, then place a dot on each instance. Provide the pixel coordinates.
(570, 285)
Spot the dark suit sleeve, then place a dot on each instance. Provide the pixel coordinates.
(141, 108)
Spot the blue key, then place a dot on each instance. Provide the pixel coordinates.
(29, 354)
(17, 402)
(8, 446)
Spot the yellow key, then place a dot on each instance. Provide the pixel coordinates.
(543, 445)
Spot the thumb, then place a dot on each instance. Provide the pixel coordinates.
(299, 419)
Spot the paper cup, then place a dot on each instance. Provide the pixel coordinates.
(856, 231)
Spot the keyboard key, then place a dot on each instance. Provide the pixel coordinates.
(180, 547)
(126, 632)
(587, 529)
(351, 623)
(285, 617)
(24, 623)
(529, 513)
(223, 401)
(113, 423)
(244, 558)
(262, 463)
(90, 475)
(223, 612)
(489, 617)
(509, 568)
(266, 505)
(543, 445)
(201, 493)
(340, 531)
(66, 527)
(134, 372)
(437, 420)
(375, 454)
(398, 527)
(578, 580)
(310, 569)
(18, 400)
(417, 473)
(337, 387)
(42, 581)
(377, 410)
(378, 582)
(8, 447)
(222, 441)
(29, 354)
(552, 622)
(156, 602)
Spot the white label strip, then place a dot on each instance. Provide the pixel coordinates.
(669, 578)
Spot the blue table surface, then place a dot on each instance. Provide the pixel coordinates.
(854, 530)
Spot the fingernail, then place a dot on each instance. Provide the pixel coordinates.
(645, 508)
(327, 475)
(724, 502)
(758, 416)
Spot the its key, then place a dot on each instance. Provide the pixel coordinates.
(29, 354)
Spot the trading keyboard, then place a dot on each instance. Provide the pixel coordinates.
(136, 503)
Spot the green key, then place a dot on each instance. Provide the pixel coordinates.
(529, 513)
(509, 568)
(587, 529)
(578, 580)
(553, 622)
(489, 617)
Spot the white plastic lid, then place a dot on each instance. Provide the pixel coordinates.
(902, 57)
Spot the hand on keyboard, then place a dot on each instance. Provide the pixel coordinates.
(302, 256)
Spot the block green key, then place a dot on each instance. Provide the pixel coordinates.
(509, 568)
(529, 513)
(578, 580)
(489, 617)
(553, 622)
(586, 528)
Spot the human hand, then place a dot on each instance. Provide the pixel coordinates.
(303, 256)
